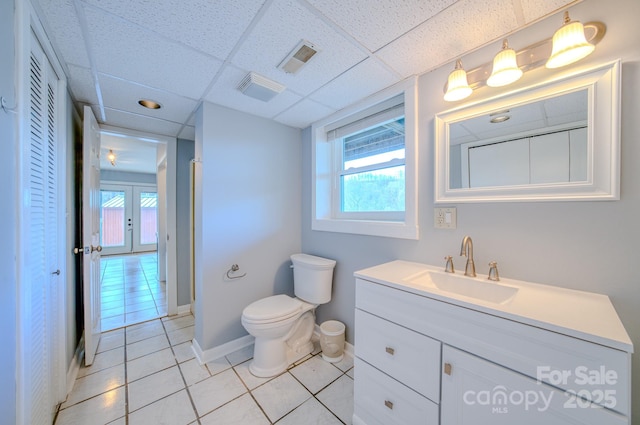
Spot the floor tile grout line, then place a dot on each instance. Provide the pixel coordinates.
(126, 381)
(184, 380)
(250, 391)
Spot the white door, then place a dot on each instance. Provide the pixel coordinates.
(91, 234)
(116, 219)
(477, 391)
(41, 289)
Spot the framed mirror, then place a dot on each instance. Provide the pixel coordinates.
(558, 140)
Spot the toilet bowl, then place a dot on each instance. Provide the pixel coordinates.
(283, 325)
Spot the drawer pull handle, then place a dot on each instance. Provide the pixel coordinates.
(447, 368)
(389, 404)
(390, 350)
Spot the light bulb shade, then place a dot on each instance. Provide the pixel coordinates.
(457, 86)
(569, 45)
(505, 69)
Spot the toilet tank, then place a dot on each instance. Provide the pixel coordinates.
(312, 278)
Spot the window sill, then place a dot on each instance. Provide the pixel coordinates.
(389, 229)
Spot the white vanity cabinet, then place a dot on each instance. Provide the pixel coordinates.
(424, 358)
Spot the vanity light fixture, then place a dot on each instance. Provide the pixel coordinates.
(505, 67)
(569, 44)
(572, 42)
(457, 85)
(112, 157)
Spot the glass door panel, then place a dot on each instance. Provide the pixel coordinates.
(115, 219)
(145, 237)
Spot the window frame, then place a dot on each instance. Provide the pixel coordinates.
(326, 167)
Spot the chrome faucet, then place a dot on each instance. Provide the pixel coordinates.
(467, 250)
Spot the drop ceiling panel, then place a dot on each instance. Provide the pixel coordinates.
(375, 24)
(359, 82)
(534, 9)
(66, 34)
(141, 123)
(303, 114)
(81, 85)
(225, 93)
(283, 25)
(212, 27)
(435, 43)
(124, 95)
(128, 51)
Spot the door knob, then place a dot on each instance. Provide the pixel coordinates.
(96, 248)
(78, 250)
(57, 272)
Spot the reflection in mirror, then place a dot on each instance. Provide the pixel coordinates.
(538, 142)
(556, 140)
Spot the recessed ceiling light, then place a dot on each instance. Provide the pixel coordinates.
(500, 116)
(150, 104)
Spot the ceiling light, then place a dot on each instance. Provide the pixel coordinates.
(259, 87)
(569, 44)
(300, 55)
(112, 157)
(457, 85)
(505, 67)
(498, 117)
(150, 104)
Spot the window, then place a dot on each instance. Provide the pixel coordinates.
(364, 168)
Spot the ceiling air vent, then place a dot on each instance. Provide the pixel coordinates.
(300, 55)
(260, 87)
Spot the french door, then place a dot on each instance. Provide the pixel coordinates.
(128, 218)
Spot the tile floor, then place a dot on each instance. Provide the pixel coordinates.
(147, 374)
(131, 292)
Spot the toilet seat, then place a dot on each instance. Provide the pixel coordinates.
(272, 309)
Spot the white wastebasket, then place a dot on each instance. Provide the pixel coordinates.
(332, 340)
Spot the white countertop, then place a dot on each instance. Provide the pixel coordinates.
(585, 315)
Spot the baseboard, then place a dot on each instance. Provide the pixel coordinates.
(184, 309)
(74, 367)
(221, 350)
(348, 348)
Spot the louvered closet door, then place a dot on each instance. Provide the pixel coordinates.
(43, 262)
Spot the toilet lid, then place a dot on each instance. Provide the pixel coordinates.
(275, 307)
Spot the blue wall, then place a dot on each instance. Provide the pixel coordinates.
(8, 219)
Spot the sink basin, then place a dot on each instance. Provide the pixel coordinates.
(491, 292)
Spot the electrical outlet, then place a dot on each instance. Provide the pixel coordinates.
(445, 218)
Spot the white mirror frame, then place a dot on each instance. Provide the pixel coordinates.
(603, 174)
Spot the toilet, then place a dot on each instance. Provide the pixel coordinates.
(282, 325)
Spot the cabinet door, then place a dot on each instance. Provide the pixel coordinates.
(476, 391)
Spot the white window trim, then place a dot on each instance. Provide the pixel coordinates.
(323, 218)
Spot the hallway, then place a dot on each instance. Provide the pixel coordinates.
(130, 291)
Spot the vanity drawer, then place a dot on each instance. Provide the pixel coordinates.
(409, 357)
(384, 401)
